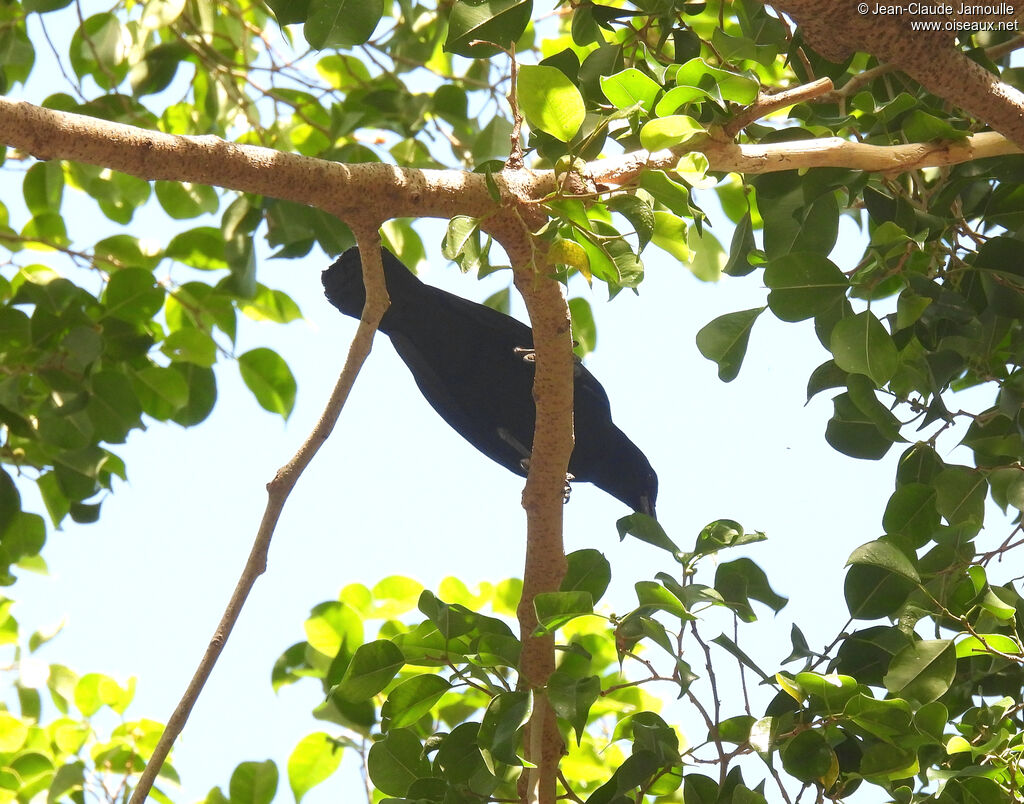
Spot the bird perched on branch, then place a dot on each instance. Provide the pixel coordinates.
(474, 365)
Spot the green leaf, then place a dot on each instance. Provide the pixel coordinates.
(872, 591)
(372, 668)
(630, 88)
(861, 345)
(975, 646)
(201, 248)
(670, 234)
(43, 187)
(483, 29)
(741, 248)
(667, 132)
(396, 762)
(736, 729)
(458, 757)
(113, 408)
(253, 783)
(314, 759)
(584, 330)
(638, 212)
(731, 86)
(288, 12)
(270, 380)
(709, 258)
(132, 294)
(802, 285)
(67, 781)
(99, 48)
(884, 556)
(725, 339)
(549, 101)
(47, 228)
(911, 514)
(862, 394)
(832, 690)
(919, 126)
(499, 731)
(674, 195)
(555, 609)
(854, 433)
(922, 671)
(190, 345)
(332, 626)
(271, 305)
(587, 571)
(414, 698)
(202, 394)
(807, 756)
(341, 23)
(653, 597)
(13, 733)
(160, 391)
(677, 97)
(740, 581)
(888, 720)
(571, 698)
(94, 691)
(724, 642)
(960, 495)
(183, 200)
(646, 529)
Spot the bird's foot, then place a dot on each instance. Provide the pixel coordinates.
(566, 489)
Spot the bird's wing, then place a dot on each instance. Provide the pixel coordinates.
(516, 334)
(464, 363)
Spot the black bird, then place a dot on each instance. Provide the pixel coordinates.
(475, 367)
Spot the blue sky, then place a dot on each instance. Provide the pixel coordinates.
(396, 492)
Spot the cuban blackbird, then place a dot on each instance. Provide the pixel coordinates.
(475, 367)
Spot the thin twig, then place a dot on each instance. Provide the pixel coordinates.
(766, 104)
(515, 154)
(278, 490)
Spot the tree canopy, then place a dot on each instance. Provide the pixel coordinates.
(559, 139)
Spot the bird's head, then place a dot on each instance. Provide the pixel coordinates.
(629, 478)
(343, 283)
(647, 494)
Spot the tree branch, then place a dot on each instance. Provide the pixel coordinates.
(543, 495)
(728, 157)
(836, 29)
(378, 191)
(365, 191)
(768, 103)
(278, 490)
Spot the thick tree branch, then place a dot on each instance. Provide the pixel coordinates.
(382, 192)
(278, 490)
(543, 496)
(836, 28)
(366, 191)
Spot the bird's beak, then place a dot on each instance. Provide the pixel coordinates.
(646, 507)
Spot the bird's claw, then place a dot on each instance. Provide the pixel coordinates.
(529, 355)
(566, 489)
